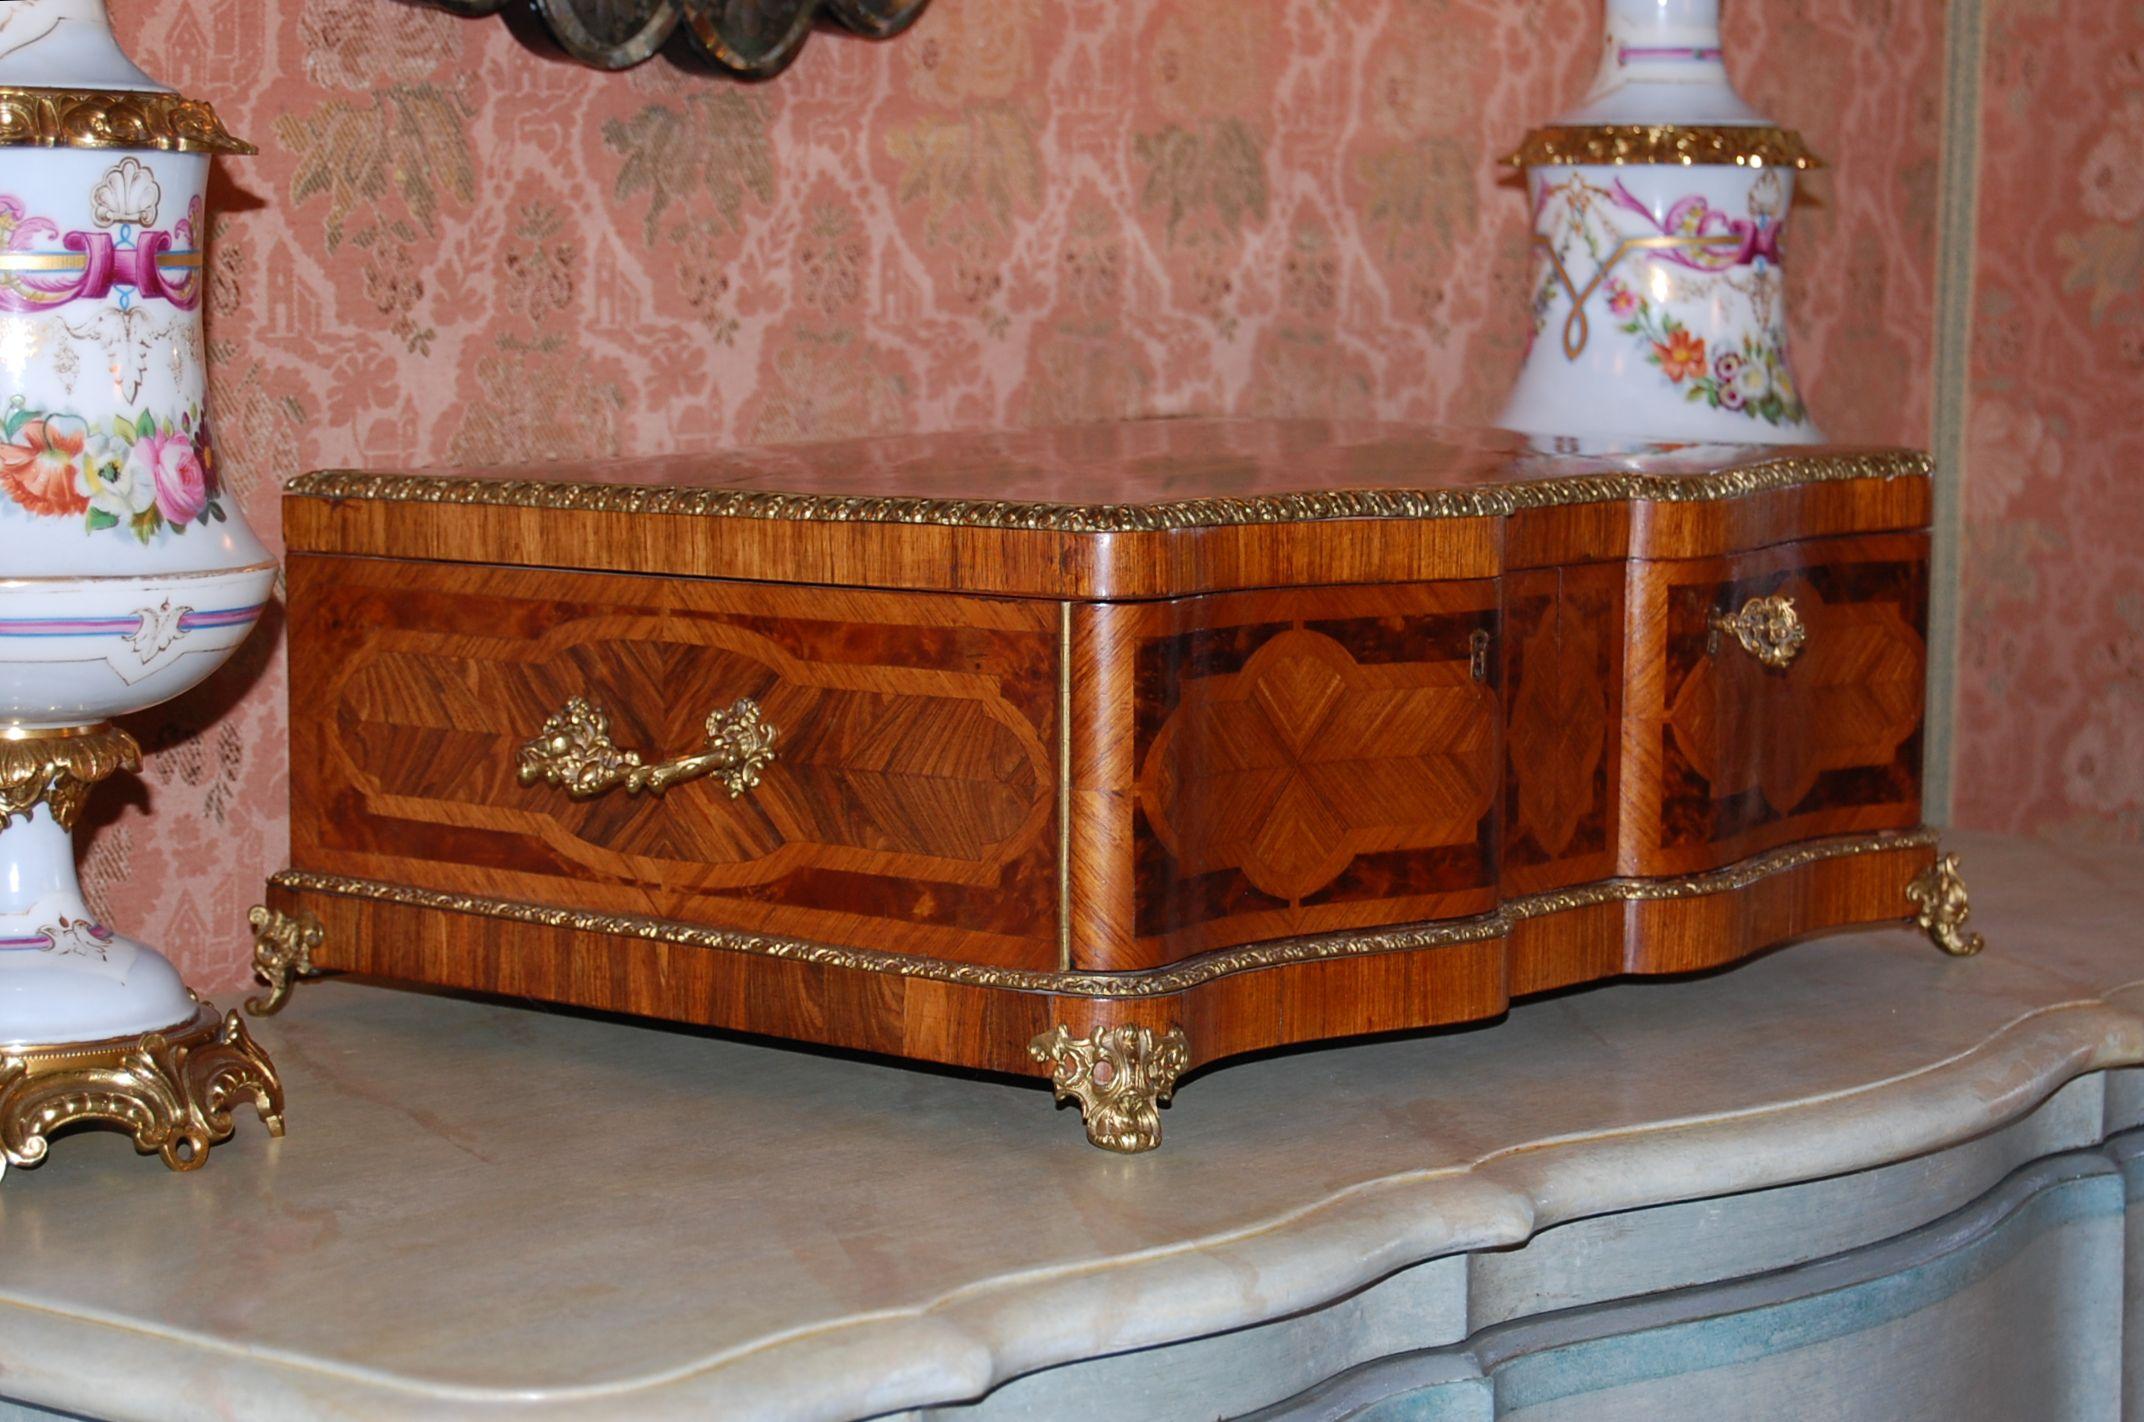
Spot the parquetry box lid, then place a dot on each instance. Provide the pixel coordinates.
(1136, 509)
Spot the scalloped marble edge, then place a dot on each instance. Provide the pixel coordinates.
(971, 1340)
(1009, 1328)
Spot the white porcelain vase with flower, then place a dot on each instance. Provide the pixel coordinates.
(126, 571)
(1658, 302)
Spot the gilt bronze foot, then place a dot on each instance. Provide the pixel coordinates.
(1939, 891)
(1119, 1075)
(283, 947)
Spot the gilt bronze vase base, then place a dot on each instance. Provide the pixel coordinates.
(173, 1090)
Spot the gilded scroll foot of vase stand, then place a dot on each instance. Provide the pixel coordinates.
(173, 1090)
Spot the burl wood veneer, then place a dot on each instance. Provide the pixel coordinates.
(1101, 753)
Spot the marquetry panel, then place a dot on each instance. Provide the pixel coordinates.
(1563, 683)
(1726, 756)
(1298, 762)
(911, 803)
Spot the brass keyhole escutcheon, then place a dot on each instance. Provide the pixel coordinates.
(1768, 628)
(1478, 655)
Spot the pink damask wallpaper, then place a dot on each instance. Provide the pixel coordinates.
(2051, 668)
(1023, 211)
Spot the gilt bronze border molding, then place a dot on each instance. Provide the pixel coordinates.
(113, 118)
(1615, 144)
(754, 38)
(1120, 986)
(1781, 472)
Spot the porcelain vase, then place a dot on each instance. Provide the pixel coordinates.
(127, 573)
(1659, 210)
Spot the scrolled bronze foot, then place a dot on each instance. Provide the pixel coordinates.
(1939, 892)
(283, 947)
(173, 1090)
(1119, 1075)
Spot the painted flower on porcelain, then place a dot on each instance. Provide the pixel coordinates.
(141, 475)
(1751, 381)
(1729, 370)
(41, 464)
(167, 462)
(1680, 355)
(1783, 385)
(119, 496)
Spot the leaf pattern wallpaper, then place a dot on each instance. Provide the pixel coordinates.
(1039, 211)
(2051, 607)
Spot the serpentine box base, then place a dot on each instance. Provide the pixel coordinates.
(1101, 753)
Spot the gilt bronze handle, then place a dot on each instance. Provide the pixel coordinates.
(574, 751)
(1768, 628)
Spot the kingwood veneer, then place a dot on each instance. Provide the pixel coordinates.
(1101, 753)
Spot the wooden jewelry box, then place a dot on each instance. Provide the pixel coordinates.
(1104, 752)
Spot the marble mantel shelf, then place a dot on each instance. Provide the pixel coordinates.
(486, 1211)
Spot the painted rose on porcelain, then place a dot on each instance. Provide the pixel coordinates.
(176, 474)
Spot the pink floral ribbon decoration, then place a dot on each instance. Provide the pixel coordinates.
(155, 265)
(1694, 235)
(1702, 231)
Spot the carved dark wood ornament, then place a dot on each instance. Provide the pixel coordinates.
(750, 37)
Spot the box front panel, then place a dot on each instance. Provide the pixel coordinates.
(910, 804)
(1299, 762)
(1810, 725)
